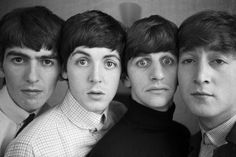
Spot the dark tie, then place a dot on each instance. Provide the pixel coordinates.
(26, 122)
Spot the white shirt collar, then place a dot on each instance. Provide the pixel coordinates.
(80, 116)
(217, 135)
(9, 107)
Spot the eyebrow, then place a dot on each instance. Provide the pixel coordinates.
(111, 56)
(80, 52)
(141, 55)
(18, 53)
(87, 54)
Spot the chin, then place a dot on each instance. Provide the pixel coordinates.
(98, 108)
(158, 102)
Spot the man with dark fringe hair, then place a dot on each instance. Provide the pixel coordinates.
(207, 74)
(29, 65)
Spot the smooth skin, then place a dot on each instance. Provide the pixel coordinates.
(31, 76)
(207, 81)
(153, 79)
(93, 77)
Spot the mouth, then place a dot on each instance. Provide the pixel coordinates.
(96, 94)
(202, 94)
(157, 90)
(31, 92)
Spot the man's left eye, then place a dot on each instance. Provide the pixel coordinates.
(219, 61)
(47, 62)
(167, 61)
(110, 64)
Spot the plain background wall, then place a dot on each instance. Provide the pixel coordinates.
(174, 10)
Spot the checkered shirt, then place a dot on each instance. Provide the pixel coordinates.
(65, 131)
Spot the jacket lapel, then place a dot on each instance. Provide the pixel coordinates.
(229, 149)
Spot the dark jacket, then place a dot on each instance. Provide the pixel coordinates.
(144, 132)
(226, 150)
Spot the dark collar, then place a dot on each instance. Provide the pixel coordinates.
(231, 137)
(147, 117)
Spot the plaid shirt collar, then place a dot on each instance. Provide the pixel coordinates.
(218, 135)
(80, 116)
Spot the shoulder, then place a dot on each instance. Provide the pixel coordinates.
(117, 107)
(228, 149)
(232, 134)
(19, 149)
(40, 126)
(116, 110)
(37, 134)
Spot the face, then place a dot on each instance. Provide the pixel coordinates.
(152, 79)
(30, 76)
(207, 80)
(93, 76)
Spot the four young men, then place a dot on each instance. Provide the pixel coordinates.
(91, 51)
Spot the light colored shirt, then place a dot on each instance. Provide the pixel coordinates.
(216, 137)
(11, 119)
(67, 130)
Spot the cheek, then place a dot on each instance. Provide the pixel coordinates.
(137, 82)
(51, 77)
(13, 76)
(171, 78)
(75, 79)
(183, 78)
(113, 78)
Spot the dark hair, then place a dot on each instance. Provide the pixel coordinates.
(150, 35)
(213, 30)
(91, 29)
(32, 27)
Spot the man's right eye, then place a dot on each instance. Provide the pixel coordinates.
(142, 63)
(17, 60)
(187, 61)
(82, 62)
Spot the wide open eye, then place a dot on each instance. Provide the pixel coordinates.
(167, 60)
(110, 64)
(144, 62)
(82, 61)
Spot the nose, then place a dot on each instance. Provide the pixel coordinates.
(157, 73)
(95, 74)
(32, 73)
(202, 74)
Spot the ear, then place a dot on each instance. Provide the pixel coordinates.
(2, 75)
(127, 82)
(64, 75)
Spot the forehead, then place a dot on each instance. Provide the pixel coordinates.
(28, 52)
(207, 52)
(96, 52)
(155, 54)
